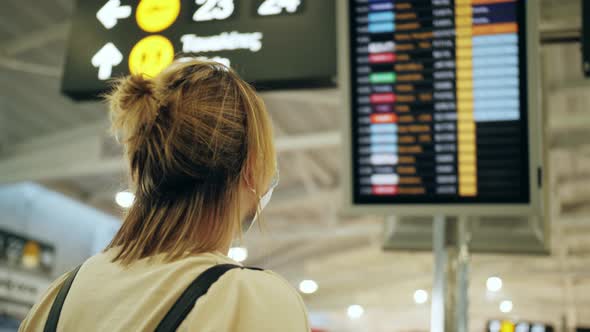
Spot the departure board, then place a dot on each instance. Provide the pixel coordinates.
(439, 101)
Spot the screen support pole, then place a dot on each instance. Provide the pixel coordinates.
(462, 286)
(437, 312)
(451, 275)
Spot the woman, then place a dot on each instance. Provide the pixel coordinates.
(198, 141)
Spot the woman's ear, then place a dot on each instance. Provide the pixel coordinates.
(247, 178)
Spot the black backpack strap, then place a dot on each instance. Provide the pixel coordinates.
(194, 291)
(58, 303)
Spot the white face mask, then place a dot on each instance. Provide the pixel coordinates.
(264, 200)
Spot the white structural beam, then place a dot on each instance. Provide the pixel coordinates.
(570, 86)
(36, 39)
(553, 26)
(289, 200)
(29, 68)
(316, 247)
(364, 229)
(569, 121)
(79, 152)
(70, 153)
(308, 141)
(574, 221)
(574, 191)
(571, 138)
(315, 169)
(573, 116)
(59, 139)
(322, 97)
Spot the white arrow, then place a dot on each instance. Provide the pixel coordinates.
(105, 59)
(111, 12)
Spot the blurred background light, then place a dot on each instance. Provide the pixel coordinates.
(308, 286)
(355, 311)
(420, 296)
(506, 306)
(124, 199)
(494, 284)
(238, 254)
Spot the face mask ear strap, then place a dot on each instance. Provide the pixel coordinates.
(259, 198)
(251, 188)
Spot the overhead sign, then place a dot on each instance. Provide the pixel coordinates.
(19, 252)
(441, 109)
(272, 43)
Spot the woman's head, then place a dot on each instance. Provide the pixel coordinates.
(198, 141)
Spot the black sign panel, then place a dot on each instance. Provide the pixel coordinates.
(272, 43)
(439, 102)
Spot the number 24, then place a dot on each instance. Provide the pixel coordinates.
(275, 7)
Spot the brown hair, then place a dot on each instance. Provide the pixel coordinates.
(191, 135)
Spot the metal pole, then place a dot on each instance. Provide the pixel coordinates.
(451, 281)
(437, 314)
(462, 299)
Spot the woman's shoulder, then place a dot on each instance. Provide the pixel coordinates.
(261, 300)
(262, 284)
(259, 277)
(255, 278)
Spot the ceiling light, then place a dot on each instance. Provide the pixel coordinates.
(124, 199)
(238, 254)
(506, 306)
(420, 296)
(308, 286)
(494, 284)
(355, 311)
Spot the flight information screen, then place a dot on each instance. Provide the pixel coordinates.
(439, 101)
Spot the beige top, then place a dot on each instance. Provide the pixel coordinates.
(105, 296)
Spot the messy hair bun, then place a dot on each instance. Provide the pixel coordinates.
(133, 106)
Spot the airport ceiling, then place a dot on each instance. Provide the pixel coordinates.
(62, 144)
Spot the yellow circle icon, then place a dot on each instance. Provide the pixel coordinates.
(156, 15)
(151, 55)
